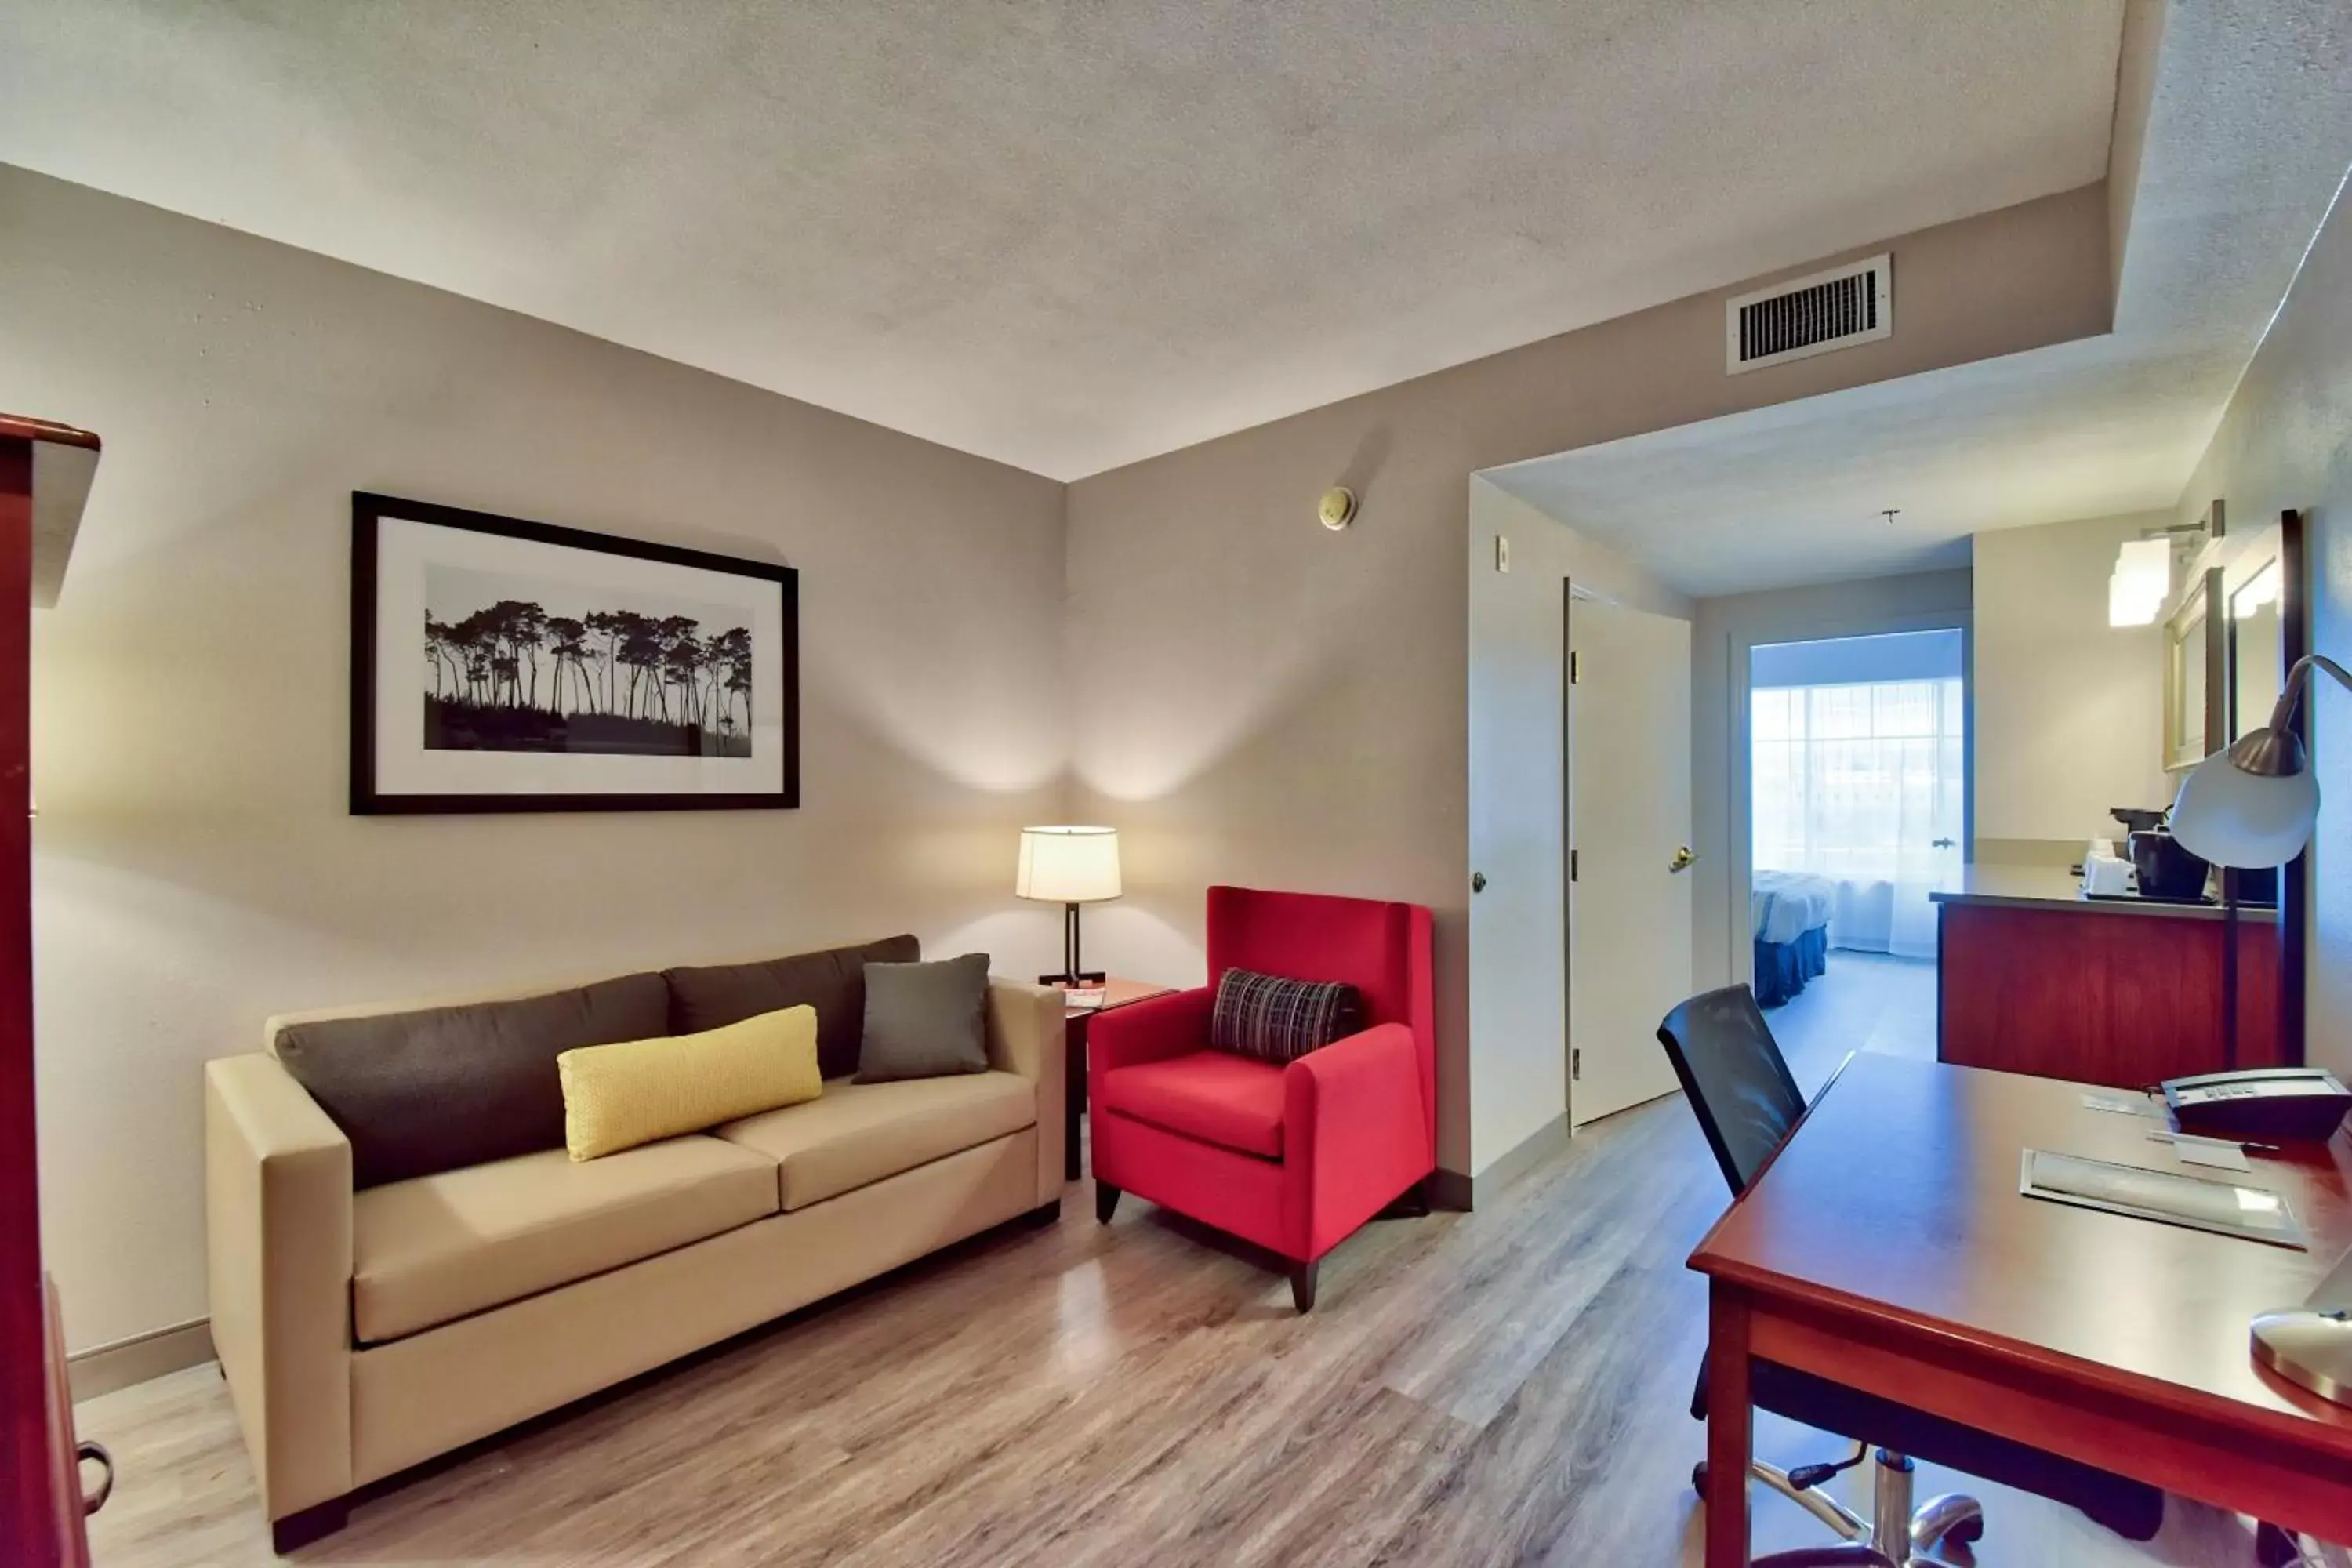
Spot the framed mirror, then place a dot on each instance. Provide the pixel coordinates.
(2257, 645)
(2196, 659)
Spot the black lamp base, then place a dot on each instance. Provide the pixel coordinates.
(1072, 975)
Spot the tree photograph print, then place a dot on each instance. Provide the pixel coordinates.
(501, 664)
(514, 666)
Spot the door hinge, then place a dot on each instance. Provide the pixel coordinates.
(1572, 865)
(1575, 668)
(1576, 1066)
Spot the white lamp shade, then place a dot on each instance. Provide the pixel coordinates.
(2232, 817)
(1068, 865)
(2140, 583)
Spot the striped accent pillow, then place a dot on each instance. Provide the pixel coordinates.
(1278, 1020)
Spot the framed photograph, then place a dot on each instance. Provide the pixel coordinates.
(498, 665)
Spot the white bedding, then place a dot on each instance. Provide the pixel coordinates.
(1786, 904)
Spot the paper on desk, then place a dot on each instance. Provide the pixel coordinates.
(2217, 1153)
(2128, 1104)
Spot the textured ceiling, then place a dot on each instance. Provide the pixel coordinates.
(1058, 233)
(2249, 132)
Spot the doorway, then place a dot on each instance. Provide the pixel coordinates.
(1858, 812)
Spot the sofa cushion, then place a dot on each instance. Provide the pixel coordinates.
(925, 1020)
(859, 1133)
(1232, 1101)
(438, 1247)
(833, 982)
(447, 1088)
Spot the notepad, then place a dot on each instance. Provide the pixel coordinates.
(2169, 1197)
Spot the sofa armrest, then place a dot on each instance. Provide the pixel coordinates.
(277, 1242)
(1150, 1031)
(1027, 1035)
(1354, 1129)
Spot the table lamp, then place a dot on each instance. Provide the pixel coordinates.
(2254, 805)
(1069, 867)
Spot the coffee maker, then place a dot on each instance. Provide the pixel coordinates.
(2165, 870)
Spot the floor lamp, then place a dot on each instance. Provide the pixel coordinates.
(2253, 805)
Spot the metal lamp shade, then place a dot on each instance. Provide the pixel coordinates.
(2234, 818)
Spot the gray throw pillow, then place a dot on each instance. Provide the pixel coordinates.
(925, 1020)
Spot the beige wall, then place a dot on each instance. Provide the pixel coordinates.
(1517, 1081)
(1725, 629)
(195, 869)
(2286, 442)
(1259, 701)
(2069, 710)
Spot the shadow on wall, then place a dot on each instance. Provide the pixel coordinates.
(1287, 787)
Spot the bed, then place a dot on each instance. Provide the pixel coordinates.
(1791, 914)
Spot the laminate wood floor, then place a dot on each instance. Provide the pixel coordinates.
(1503, 1387)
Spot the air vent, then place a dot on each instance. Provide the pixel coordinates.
(1833, 309)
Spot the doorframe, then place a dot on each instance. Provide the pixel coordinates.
(1738, 750)
(1570, 591)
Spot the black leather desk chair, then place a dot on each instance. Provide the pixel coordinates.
(1739, 1084)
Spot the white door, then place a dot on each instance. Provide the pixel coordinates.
(1629, 921)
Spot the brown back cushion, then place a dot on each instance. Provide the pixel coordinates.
(833, 983)
(450, 1086)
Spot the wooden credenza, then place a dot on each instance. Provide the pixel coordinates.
(68, 1508)
(45, 475)
(2035, 979)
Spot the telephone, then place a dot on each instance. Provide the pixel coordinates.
(2260, 1102)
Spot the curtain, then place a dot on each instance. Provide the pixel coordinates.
(1863, 784)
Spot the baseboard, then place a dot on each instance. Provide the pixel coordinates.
(143, 1357)
(139, 1358)
(1532, 1150)
(1453, 1190)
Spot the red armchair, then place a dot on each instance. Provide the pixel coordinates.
(1292, 1157)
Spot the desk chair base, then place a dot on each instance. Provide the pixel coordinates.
(1900, 1536)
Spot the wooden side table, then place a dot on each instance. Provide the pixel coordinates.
(1116, 993)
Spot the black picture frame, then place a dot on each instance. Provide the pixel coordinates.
(369, 509)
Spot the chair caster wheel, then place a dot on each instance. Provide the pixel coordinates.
(1967, 1533)
(2274, 1548)
(1698, 1477)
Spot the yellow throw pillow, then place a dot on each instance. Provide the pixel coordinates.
(617, 1097)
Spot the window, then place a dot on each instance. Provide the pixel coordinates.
(1864, 784)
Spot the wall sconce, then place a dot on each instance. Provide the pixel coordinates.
(1336, 509)
(2142, 580)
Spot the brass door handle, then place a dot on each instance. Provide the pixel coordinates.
(1681, 860)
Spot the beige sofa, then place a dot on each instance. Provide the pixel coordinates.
(363, 1332)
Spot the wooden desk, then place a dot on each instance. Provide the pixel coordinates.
(1886, 1247)
(1116, 993)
